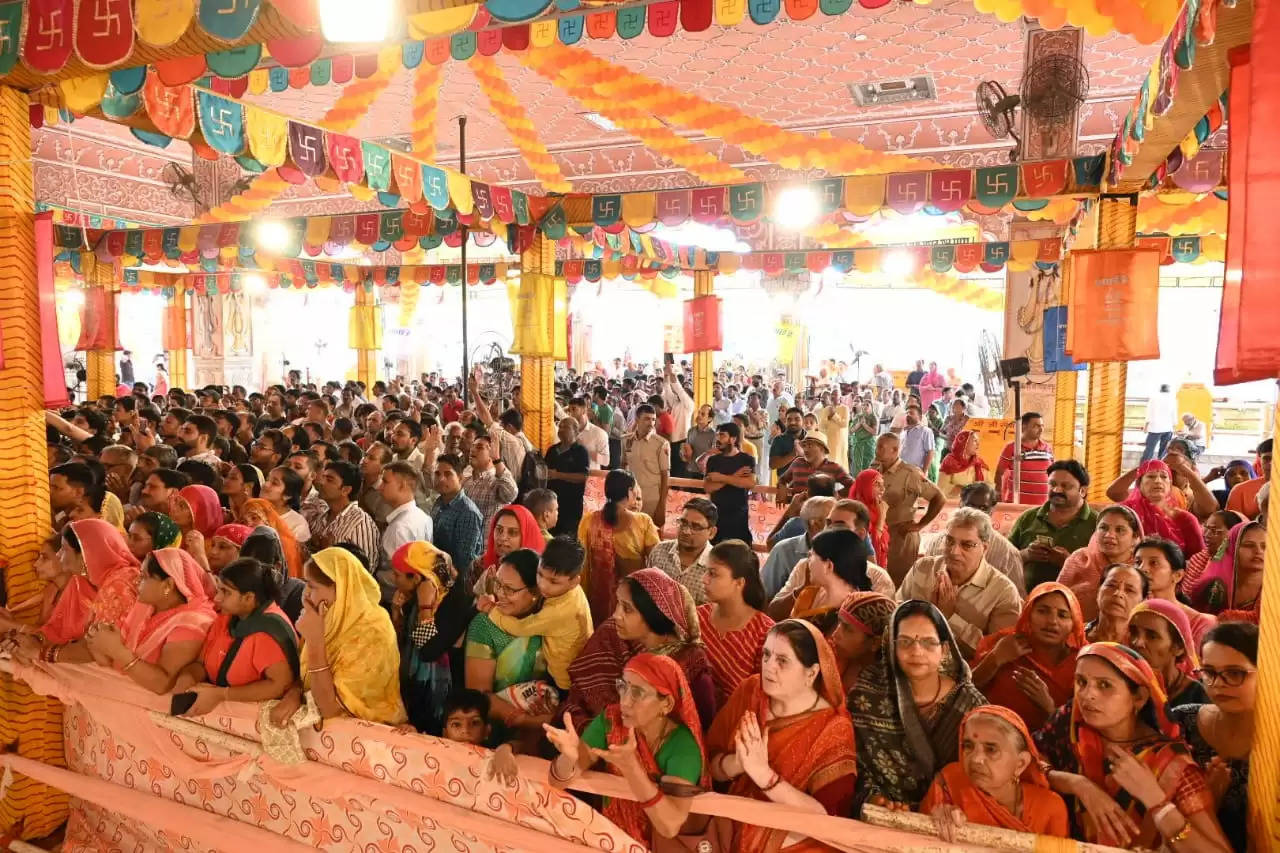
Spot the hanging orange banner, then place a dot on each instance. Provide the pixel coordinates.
(1114, 304)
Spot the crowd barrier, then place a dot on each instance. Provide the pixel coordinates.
(142, 780)
(764, 509)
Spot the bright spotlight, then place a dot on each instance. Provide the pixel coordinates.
(795, 208)
(898, 265)
(271, 235)
(356, 20)
(254, 283)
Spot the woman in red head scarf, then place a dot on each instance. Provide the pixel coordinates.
(512, 527)
(1114, 750)
(650, 734)
(962, 465)
(165, 630)
(997, 781)
(868, 488)
(1153, 503)
(1031, 667)
(785, 736)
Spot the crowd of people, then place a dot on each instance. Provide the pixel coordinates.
(405, 555)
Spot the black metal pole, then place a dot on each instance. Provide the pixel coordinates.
(462, 167)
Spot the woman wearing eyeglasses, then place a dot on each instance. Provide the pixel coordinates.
(650, 737)
(1220, 732)
(907, 708)
(785, 737)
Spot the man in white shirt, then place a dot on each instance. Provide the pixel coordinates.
(405, 522)
(679, 404)
(590, 436)
(1162, 416)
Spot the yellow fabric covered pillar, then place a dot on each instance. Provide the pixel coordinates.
(364, 334)
(100, 362)
(1264, 758)
(29, 723)
(1104, 421)
(177, 345)
(541, 336)
(704, 284)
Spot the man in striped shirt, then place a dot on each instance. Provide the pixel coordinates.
(339, 484)
(1037, 456)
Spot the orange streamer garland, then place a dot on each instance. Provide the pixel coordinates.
(1146, 20)
(426, 100)
(514, 118)
(358, 95)
(352, 105)
(652, 133)
(265, 189)
(787, 148)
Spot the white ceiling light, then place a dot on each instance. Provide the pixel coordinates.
(898, 265)
(599, 121)
(254, 283)
(707, 237)
(795, 208)
(271, 235)
(356, 20)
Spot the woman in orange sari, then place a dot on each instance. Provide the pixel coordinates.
(1113, 750)
(998, 780)
(258, 512)
(785, 737)
(1031, 667)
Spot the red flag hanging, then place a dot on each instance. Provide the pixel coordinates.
(1249, 321)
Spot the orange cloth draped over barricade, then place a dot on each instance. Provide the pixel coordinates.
(152, 781)
(364, 786)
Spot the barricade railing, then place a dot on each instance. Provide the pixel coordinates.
(139, 774)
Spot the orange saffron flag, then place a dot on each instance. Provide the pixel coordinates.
(1114, 300)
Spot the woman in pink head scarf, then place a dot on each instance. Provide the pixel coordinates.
(165, 630)
(931, 386)
(1152, 501)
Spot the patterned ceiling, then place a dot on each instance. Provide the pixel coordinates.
(794, 74)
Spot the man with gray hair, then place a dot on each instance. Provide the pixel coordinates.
(1001, 554)
(784, 556)
(975, 599)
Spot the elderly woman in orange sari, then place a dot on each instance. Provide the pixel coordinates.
(1114, 752)
(260, 513)
(997, 782)
(785, 737)
(165, 630)
(1031, 667)
(649, 737)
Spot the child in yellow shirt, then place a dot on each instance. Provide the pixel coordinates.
(564, 620)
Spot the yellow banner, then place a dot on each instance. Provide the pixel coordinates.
(534, 316)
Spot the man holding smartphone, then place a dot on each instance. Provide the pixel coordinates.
(1048, 534)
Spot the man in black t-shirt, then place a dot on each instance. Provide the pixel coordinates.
(730, 476)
